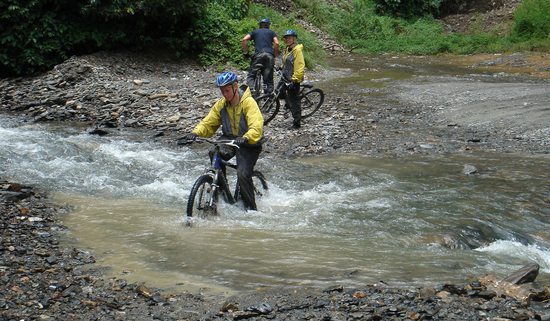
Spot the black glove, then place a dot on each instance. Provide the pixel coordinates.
(246, 55)
(240, 140)
(292, 85)
(190, 136)
(187, 138)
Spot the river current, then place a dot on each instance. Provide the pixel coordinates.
(340, 219)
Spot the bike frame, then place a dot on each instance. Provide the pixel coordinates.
(216, 171)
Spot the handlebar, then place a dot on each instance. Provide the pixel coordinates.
(228, 142)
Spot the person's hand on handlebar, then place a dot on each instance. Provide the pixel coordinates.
(240, 140)
(246, 55)
(187, 138)
(291, 85)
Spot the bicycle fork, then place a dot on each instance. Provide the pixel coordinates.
(220, 182)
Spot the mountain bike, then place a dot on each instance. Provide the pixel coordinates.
(311, 100)
(206, 191)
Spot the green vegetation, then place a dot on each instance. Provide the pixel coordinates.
(407, 26)
(222, 35)
(407, 8)
(37, 34)
(531, 29)
(42, 33)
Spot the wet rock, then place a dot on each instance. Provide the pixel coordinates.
(469, 169)
(526, 274)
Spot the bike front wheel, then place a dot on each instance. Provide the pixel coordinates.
(269, 106)
(311, 101)
(203, 198)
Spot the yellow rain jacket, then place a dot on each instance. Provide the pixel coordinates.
(244, 120)
(294, 64)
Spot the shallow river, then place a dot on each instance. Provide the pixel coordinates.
(342, 219)
(326, 220)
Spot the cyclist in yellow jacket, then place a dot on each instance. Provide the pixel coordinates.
(241, 120)
(293, 71)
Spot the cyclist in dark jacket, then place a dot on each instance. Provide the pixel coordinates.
(266, 49)
(240, 118)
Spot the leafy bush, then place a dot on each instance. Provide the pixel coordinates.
(219, 35)
(37, 34)
(360, 27)
(314, 53)
(37, 37)
(532, 20)
(407, 8)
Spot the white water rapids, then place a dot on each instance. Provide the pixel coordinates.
(342, 219)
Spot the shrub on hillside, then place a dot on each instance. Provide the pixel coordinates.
(36, 35)
(532, 20)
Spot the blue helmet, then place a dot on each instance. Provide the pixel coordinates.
(264, 20)
(290, 32)
(226, 78)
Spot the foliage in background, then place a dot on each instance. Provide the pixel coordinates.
(139, 24)
(34, 35)
(359, 26)
(407, 8)
(217, 36)
(532, 22)
(220, 35)
(314, 53)
(37, 34)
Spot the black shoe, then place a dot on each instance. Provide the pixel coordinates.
(296, 126)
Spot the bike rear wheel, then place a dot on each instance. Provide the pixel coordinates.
(260, 185)
(203, 198)
(269, 106)
(257, 90)
(311, 101)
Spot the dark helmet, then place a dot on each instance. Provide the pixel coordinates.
(226, 78)
(290, 32)
(264, 20)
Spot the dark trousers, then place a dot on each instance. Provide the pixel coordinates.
(267, 60)
(292, 98)
(247, 156)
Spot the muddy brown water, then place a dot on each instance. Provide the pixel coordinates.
(338, 219)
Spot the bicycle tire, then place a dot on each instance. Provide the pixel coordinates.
(260, 185)
(257, 90)
(311, 101)
(200, 197)
(269, 106)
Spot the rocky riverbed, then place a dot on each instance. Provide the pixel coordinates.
(163, 99)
